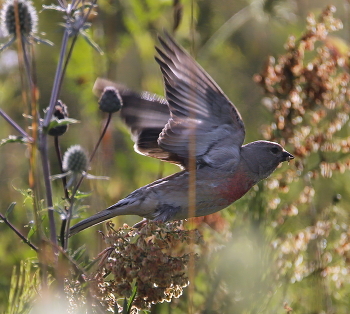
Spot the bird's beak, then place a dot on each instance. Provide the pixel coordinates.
(287, 156)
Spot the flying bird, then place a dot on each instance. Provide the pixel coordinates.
(194, 109)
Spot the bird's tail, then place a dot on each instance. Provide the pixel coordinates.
(127, 206)
(91, 221)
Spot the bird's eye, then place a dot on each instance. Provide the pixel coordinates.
(274, 150)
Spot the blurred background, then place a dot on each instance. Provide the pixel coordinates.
(232, 41)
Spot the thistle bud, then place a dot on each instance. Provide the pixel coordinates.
(110, 100)
(28, 18)
(59, 113)
(75, 159)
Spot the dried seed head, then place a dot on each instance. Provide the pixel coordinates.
(110, 100)
(59, 113)
(28, 18)
(75, 159)
(155, 258)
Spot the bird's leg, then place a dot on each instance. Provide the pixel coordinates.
(141, 223)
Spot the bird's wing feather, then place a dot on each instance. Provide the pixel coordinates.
(199, 109)
(145, 115)
(195, 109)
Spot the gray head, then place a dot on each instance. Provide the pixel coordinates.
(263, 157)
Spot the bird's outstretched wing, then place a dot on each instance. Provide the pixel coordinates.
(195, 109)
(200, 111)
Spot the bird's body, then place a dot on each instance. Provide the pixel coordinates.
(155, 200)
(195, 109)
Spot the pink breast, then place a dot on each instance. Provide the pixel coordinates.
(233, 188)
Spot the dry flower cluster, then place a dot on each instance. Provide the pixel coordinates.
(307, 90)
(309, 99)
(153, 260)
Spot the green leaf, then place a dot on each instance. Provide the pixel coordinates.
(90, 264)
(25, 282)
(60, 122)
(91, 42)
(131, 299)
(27, 193)
(10, 209)
(79, 253)
(31, 232)
(125, 307)
(14, 139)
(79, 195)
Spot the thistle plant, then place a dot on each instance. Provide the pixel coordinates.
(19, 20)
(60, 114)
(25, 13)
(110, 100)
(75, 160)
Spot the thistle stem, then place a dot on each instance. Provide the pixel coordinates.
(15, 125)
(24, 239)
(69, 214)
(101, 136)
(69, 54)
(43, 138)
(57, 80)
(64, 184)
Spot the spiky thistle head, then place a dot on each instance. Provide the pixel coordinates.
(59, 113)
(28, 18)
(75, 159)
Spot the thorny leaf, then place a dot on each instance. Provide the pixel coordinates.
(10, 209)
(60, 122)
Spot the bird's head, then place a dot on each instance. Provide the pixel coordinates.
(263, 157)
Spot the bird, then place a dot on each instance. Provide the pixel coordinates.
(195, 111)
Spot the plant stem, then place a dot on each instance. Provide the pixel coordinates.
(48, 189)
(24, 239)
(15, 125)
(69, 214)
(62, 68)
(59, 158)
(95, 149)
(101, 136)
(57, 147)
(60, 71)
(57, 80)
(43, 138)
(64, 184)
(69, 54)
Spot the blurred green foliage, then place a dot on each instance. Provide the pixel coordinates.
(232, 41)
